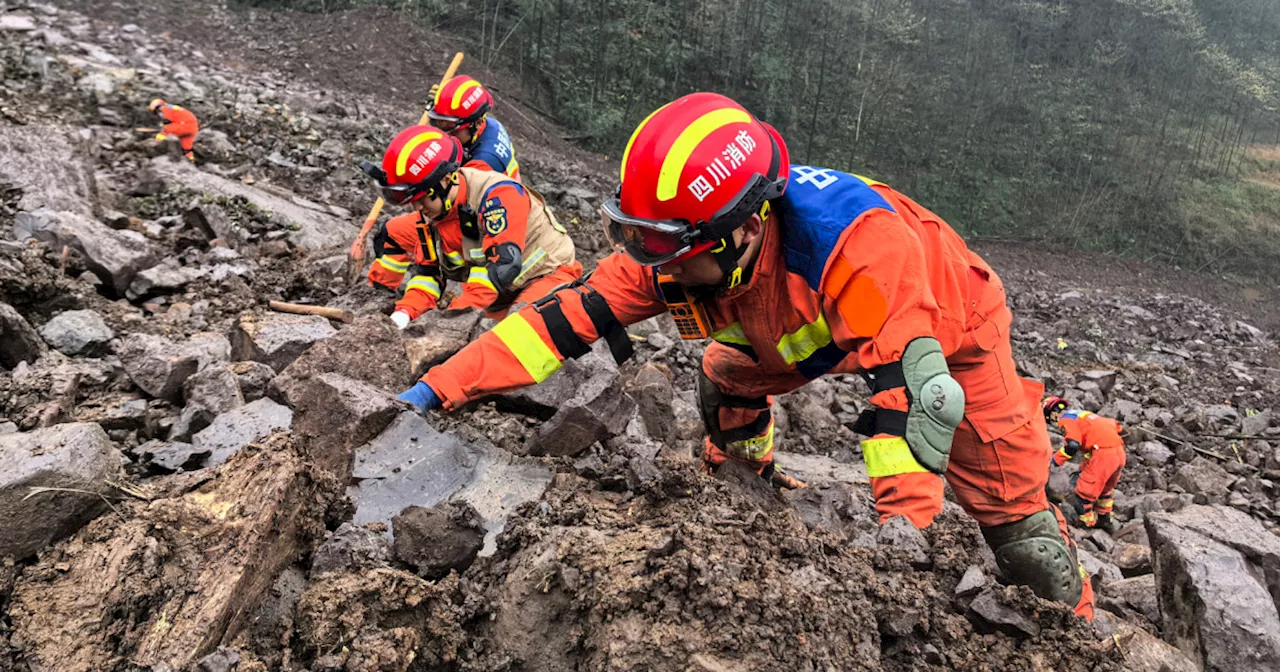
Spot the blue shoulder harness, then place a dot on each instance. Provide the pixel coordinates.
(818, 206)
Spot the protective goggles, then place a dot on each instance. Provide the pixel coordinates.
(450, 124)
(446, 124)
(654, 242)
(399, 194)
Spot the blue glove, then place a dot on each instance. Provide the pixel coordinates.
(422, 396)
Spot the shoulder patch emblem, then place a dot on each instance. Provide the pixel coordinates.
(495, 217)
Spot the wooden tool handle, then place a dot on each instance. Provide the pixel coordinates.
(302, 309)
(448, 74)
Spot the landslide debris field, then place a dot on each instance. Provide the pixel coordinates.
(189, 481)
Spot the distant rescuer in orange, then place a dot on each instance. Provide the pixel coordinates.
(1098, 440)
(794, 272)
(473, 226)
(461, 108)
(179, 122)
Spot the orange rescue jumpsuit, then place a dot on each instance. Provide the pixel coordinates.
(504, 213)
(849, 273)
(1104, 458)
(180, 123)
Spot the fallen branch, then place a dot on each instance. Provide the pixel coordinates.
(303, 309)
(1243, 437)
(1203, 451)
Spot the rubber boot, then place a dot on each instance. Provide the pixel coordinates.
(1037, 552)
(1107, 523)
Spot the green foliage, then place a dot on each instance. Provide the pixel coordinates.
(1109, 124)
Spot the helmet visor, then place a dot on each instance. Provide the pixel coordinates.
(651, 242)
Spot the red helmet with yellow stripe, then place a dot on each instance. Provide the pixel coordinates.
(459, 103)
(1053, 405)
(419, 162)
(694, 171)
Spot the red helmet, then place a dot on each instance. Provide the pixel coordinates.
(418, 163)
(460, 102)
(694, 171)
(1052, 405)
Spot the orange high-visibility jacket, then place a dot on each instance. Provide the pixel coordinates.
(1090, 430)
(849, 273)
(180, 123)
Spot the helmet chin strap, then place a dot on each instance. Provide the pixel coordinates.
(446, 202)
(729, 253)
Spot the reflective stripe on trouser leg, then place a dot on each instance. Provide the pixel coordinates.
(737, 427)
(1088, 517)
(1104, 505)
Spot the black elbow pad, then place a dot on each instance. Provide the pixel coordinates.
(504, 267)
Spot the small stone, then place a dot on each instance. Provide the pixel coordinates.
(18, 23)
(75, 459)
(972, 582)
(898, 533)
(157, 365)
(276, 339)
(77, 332)
(235, 429)
(351, 548)
(1154, 452)
(437, 540)
(21, 342)
(1132, 559)
(991, 614)
(167, 457)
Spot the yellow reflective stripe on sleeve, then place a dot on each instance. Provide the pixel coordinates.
(528, 265)
(393, 265)
(731, 334)
(889, 457)
(424, 283)
(455, 257)
(476, 254)
(480, 276)
(806, 340)
(754, 448)
(533, 259)
(518, 335)
(870, 182)
(513, 167)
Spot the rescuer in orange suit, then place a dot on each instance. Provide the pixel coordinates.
(179, 122)
(470, 225)
(1097, 440)
(461, 108)
(794, 272)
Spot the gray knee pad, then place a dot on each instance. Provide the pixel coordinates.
(1032, 552)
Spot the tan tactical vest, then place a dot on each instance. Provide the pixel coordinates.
(547, 245)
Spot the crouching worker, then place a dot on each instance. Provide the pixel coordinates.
(481, 229)
(795, 272)
(1101, 449)
(179, 122)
